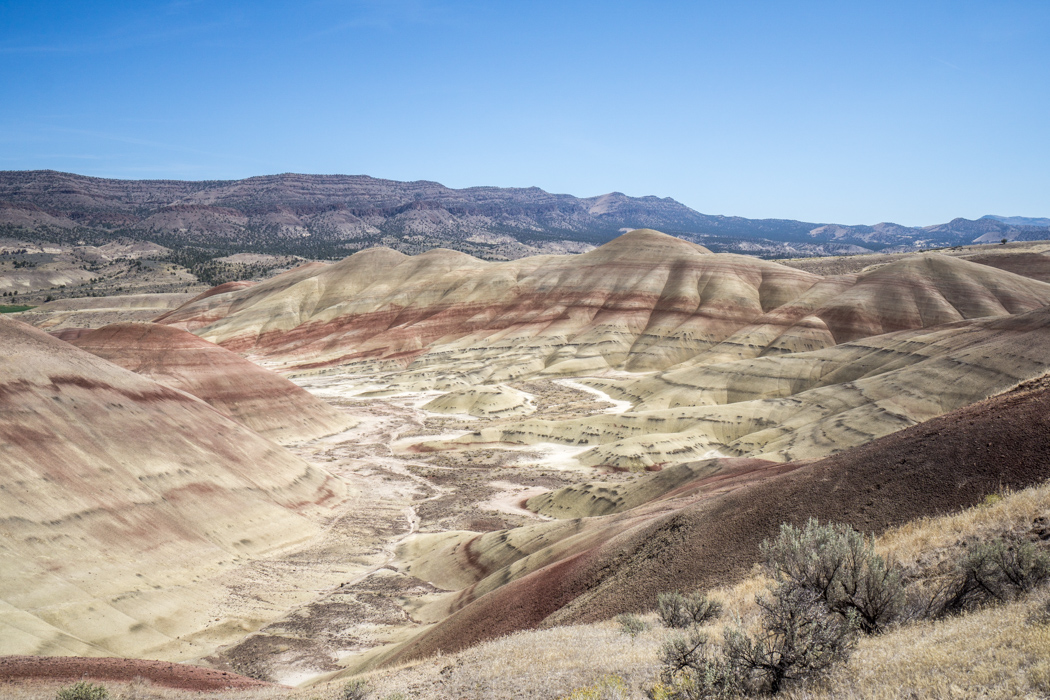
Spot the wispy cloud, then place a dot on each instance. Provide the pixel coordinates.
(950, 65)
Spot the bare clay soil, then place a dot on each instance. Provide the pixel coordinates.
(63, 668)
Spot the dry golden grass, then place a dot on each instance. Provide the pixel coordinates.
(143, 690)
(1008, 512)
(540, 665)
(992, 653)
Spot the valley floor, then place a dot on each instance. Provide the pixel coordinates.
(397, 494)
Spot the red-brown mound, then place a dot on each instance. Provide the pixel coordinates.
(71, 668)
(942, 465)
(255, 397)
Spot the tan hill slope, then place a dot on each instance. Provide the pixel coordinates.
(928, 290)
(644, 301)
(738, 357)
(590, 499)
(916, 292)
(799, 406)
(483, 401)
(591, 569)
(255, 397)
(122, 499)
(95, 312)
(1034, 263)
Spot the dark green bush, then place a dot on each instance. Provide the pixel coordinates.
(989, 572)
(693, 670)
(680, 611)
(798, 639)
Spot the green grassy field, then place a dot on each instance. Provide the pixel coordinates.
(13, 308)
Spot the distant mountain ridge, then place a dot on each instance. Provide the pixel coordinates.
(335, 215)
(1020, 220)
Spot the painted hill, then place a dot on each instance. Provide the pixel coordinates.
(643, 301)
(730, 356)
(254, 397)
(800, 406)
(122, 499)
(95, 312)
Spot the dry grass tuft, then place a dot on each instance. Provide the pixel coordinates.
(540, 665)
(992, 653)
(1006, 512)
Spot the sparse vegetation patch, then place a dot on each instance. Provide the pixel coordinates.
(83, 690)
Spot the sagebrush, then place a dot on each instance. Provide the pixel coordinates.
(841, 567)
(83, 690)
(679, 611)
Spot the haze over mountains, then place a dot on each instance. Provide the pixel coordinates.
(330, 216)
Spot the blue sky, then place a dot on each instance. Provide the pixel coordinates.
(913, 112)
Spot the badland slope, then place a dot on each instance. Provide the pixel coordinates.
(88, 313)
(799, 406)
(121, 499)
(702, 534)
(644, 301)
(23, 669)
(254, 397)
